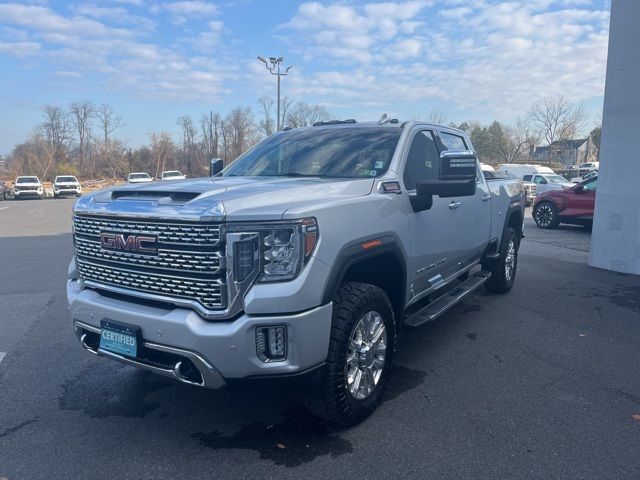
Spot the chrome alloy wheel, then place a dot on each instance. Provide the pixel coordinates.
(366, 355)
(510, 260)
(544, 215)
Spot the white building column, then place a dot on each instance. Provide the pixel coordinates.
(615, 244)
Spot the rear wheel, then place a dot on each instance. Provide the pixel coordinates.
(503, 270)
(545, 215)
(361, 345)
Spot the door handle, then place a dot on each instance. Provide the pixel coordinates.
(454, 205)
(486, 198)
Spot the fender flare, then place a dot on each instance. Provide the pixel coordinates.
(354, 253)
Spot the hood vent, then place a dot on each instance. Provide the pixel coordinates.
(177, 197)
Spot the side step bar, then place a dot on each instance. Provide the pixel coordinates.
(448, 300)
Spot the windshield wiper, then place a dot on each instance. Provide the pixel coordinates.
(300, 174)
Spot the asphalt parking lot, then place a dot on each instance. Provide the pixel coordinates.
(541, 383)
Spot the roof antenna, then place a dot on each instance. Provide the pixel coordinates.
(383, 119)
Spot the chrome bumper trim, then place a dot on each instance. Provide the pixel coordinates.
(210, 377)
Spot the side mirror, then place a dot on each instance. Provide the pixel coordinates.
(215, 166)
(458, 172)
(578, 188)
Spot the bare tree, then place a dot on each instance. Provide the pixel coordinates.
(81, 115)
(56, 131)
(285, 104)
(108, 123)
(437, 116)
(556, 118)
(161, 150)
(238, 132)
(304, 114)
(267, 124)
(211, 125)
(189, 149)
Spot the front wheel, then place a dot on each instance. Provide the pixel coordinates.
(362, 341)
(545, 214)
(503, 270)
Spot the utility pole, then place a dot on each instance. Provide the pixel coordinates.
(273, 66)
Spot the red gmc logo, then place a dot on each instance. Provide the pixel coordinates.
(129, 243)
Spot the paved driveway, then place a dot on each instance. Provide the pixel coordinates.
(540, 383)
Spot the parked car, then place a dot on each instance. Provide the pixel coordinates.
(27, 187)
(548, 182)
(64, 185)
(172, 175)
(519, 170)
(586, 176)
(139, 177)
(298, 262)
(574, 205)
(591, 165)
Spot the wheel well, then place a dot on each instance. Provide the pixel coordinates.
(384, 271)
(515, 221)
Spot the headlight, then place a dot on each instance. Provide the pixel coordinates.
(284, 248)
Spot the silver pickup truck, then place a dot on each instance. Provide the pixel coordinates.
(299, 262)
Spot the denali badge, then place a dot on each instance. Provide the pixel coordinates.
(130, 243)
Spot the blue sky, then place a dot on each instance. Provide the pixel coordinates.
(154, 61)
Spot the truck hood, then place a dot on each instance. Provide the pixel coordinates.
(235, 198)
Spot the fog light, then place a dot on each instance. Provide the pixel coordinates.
(271, 343)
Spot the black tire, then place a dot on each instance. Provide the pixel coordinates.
(333, 400)
(502, 278)
(545, 214)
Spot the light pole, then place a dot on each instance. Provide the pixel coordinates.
(274, 69)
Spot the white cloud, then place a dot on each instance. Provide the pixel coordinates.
(192, 8)
(20, 49)
(77, 45)
(483, 57)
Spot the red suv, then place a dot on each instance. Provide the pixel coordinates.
(573, 205)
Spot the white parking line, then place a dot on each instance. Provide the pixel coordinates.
(3, 208)
(2, 354)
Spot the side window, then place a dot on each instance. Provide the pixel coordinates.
(539, 180)
(423, 161)
(527, 178)
(591, 186)
(452, 142)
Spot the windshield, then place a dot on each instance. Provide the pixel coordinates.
(27, 180)
(556, 179)
(135, 176)
(171, 174)
(325, 152)
(66, 179)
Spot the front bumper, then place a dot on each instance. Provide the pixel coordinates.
(66, 191)
(221, 351)
(28, 193)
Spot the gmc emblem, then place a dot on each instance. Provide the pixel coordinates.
(130, 243)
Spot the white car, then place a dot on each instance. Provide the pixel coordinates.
(172, 175)
(66, 185)
(27, 187)
(547, 182)
(139, 177)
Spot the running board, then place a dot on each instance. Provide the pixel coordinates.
(448, 300)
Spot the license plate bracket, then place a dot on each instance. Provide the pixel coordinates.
(121, 338)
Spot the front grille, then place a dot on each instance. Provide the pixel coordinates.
(530, 190)
(189, 264)
(192, 233)
(27, 189)
(206, 292)
(176, 260)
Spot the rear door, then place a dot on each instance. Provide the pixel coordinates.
(583, 203)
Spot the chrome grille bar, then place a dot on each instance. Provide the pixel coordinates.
(176, 260)
(206, 292)
(178, 233)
